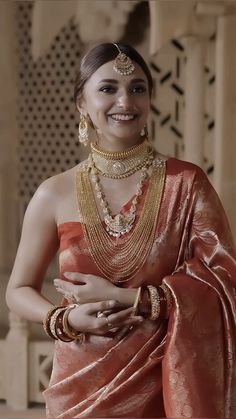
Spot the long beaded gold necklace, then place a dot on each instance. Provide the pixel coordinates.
(119, 224)
(120, 258)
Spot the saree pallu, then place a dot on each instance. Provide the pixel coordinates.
(183, 367)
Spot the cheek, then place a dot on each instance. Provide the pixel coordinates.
(98, 107)
(147, 103)
(145, 107)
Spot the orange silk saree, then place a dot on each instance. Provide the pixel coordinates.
(177, 368)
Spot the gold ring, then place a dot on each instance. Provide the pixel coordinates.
(100, 314)
(109, 325)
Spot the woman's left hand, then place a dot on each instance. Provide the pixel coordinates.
(91, 288)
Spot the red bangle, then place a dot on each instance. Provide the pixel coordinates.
(144, 302)
(59, 330)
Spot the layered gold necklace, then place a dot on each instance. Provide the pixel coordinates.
(120, 256)
(120, 224)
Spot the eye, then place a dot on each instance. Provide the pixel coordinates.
(138, 89)
(107, 89)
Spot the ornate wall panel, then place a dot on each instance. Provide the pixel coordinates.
(47, 117)
(168, 104)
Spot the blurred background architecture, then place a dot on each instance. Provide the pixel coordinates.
(190, 47)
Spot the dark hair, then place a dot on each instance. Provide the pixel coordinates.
(101, 54)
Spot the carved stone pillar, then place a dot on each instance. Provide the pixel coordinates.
(17, 363)
(194, 96)
(225, 142)
(8, 136)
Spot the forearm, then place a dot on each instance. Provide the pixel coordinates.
(28, 303)
(127, 297)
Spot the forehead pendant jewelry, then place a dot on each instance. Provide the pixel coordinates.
(123, 64)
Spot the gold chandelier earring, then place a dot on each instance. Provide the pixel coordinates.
(83, 131)
(144, 133)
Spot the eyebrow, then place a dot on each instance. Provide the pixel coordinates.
(116, 81)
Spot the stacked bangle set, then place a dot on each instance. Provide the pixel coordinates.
(56, 324)
(158, 300)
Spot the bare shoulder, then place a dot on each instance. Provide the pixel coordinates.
(57, 186)
(51, 192)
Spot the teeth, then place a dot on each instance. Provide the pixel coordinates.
(120, 117)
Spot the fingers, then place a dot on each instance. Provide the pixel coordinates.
(103, 306)
(100, 318)
(105, 324)
(65, 286)
(67, 290)
(116, 320)
(76, 276)
(124, 317)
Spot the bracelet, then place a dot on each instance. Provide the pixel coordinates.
(155, 302)
(53, 321)
(59, 330)
(169, 299)
(136, 302)
(163, 306)
(46, 321)
(71, 333)
(145, 302)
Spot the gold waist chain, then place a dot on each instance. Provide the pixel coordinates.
(119, 259)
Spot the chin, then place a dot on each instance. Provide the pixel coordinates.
(122, 135)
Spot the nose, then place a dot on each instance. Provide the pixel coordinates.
(123, 100)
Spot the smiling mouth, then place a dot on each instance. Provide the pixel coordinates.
(122, 117)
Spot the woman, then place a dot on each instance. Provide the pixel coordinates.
(148, 261)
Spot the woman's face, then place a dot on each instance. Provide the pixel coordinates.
(117, 105)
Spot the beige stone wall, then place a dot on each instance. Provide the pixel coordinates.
(8, 137)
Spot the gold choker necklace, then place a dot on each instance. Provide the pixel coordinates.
(120, 164)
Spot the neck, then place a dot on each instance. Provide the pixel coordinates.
(118, 145)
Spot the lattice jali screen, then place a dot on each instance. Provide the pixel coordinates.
(168, 104)
(48, 121)
(40, 367)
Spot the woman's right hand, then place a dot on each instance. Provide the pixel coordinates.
(83, 318)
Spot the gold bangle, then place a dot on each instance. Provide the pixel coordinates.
(53, 321)
(169, 299)
(71, 333)
(155, 302)
(46, 321)
(59, 331)
(136, 302)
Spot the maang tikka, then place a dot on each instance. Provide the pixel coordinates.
(83, 131)
(123, 64)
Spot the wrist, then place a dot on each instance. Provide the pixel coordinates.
(125, 296)
(72, 319)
